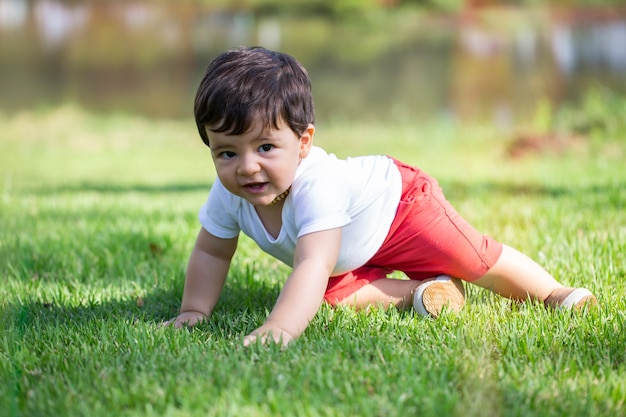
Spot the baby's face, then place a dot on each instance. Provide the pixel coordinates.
(260, 164)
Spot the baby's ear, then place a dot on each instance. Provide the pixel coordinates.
(306, 141)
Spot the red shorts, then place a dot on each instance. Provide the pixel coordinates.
(427, 238)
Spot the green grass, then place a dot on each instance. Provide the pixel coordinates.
(98, 215)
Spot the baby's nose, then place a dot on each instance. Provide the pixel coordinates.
(248, 165)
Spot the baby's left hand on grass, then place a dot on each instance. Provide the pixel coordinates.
(268, 335)
(185, 319)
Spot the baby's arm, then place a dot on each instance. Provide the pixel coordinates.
(314, 260)
(206, 273)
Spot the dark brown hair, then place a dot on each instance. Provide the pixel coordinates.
(245, 83)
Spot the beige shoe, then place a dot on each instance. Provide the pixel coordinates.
(432, 297)
(570, 298)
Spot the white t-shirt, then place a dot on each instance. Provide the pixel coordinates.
(359, 194)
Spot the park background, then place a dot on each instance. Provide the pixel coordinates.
(368, 59)
(518, 108)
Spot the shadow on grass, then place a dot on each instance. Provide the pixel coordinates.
(156, 306)
(112, 188)
(461, 189)
(455, 188)
(242, 307)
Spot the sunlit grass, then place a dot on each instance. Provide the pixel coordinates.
(98, 215)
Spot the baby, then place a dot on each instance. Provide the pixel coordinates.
(342, 225)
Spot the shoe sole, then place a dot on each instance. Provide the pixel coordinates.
(578, 299)
(443, 293)
(567, 298)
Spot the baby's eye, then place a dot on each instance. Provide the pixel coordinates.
(266, 147)
(227, 155)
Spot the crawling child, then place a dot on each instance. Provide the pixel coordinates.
(342, 225)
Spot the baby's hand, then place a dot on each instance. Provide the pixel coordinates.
(188, 318)
(268, 335)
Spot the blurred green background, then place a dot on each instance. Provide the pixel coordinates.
(372, 60)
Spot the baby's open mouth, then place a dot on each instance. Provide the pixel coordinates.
(256, 187)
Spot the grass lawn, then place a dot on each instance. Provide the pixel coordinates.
(97, 218)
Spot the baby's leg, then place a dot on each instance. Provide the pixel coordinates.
(383, 292)
(516, 276)
(429, 297)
